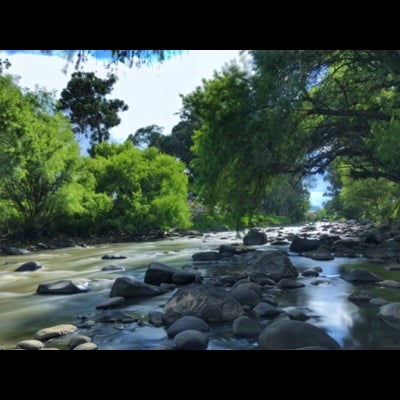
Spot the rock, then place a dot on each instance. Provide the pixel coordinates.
(319, 282)
(29, 266)
(113, 268)
(114, 302)
(191, 340)
(245, 283)
(229, 250)
(377, 301)
(245, 327)
(300, 245)
(186, 277)
(390, 284)
(54, 331)
(76, 340)
(86, 346)
(320, 254)
(113, 257)
(245, 296)
(289, 284)
(126, 286)
(210, 303)
(188, 322)
(390, 312)
(116, 316)
(288, 334)
(360, 296)
(261, 279)
(255, 237)
(359, 275)
(298, 315)
(66, 286)
(207, 256)
(266, 310)
(30, 344)
(156, 318)
(158, 273)
(318, 269)
(310, 272)
(275, 265)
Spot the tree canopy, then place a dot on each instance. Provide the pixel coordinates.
(85, 102)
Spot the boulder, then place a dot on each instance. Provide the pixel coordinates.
(188, 322)
(255, 237)
(274, 264)
(29, 266)
(359, 275)
(207, 256)
(32, 344)
(289, 334)
(65, 286)
(245, 296)
(158, 273)
(300, 245)
(245, 327)
(126, 286)
(266, 310)
(210, 303)
(54, 331)
(191, 340)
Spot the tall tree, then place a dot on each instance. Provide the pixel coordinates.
(39, 160)
(85, 102)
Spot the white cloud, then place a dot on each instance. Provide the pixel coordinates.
(151, 92)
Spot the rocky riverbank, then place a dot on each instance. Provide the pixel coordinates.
(236, 290)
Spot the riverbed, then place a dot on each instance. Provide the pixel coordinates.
(23, 312)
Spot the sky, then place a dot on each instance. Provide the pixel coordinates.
(152, 93)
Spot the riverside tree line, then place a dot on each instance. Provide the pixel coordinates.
(246, 141)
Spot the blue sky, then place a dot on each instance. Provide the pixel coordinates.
(151, 92)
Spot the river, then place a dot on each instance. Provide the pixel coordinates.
(23, 312)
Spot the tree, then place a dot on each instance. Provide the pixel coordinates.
(39, 160)
(84, 102)
(147, 136)
(148, 189)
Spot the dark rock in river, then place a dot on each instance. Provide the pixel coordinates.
(288, 334)
(266, 310)
(245, 296)
(113, 257)
(255, 237)
(191, 340)
(360, 296)
(188, 322)
(158, 273)
(29, 266)
(113, 268)
(110, 303)
(289, 284)
(359, 275)
(275, 265)
(206, 256)
(245, 327)
(126, 286)
(390, 313)
(300, 245)
(210, 303)
(156, 318)
(67, 286)
(310, 272)
(320, 254)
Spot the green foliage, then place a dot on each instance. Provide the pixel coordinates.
(39, 158)
(85, 102)
(148, 189)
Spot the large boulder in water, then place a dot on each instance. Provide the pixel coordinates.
(65, 286)
(289, 334)
(126, 286)
(210, 303)
(275, 265)
(390, 313)
(300, 245)
(255, 237)
(158, 273)
(359, 275)
(29, 266)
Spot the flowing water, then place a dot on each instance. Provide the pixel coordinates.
(23, 312)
